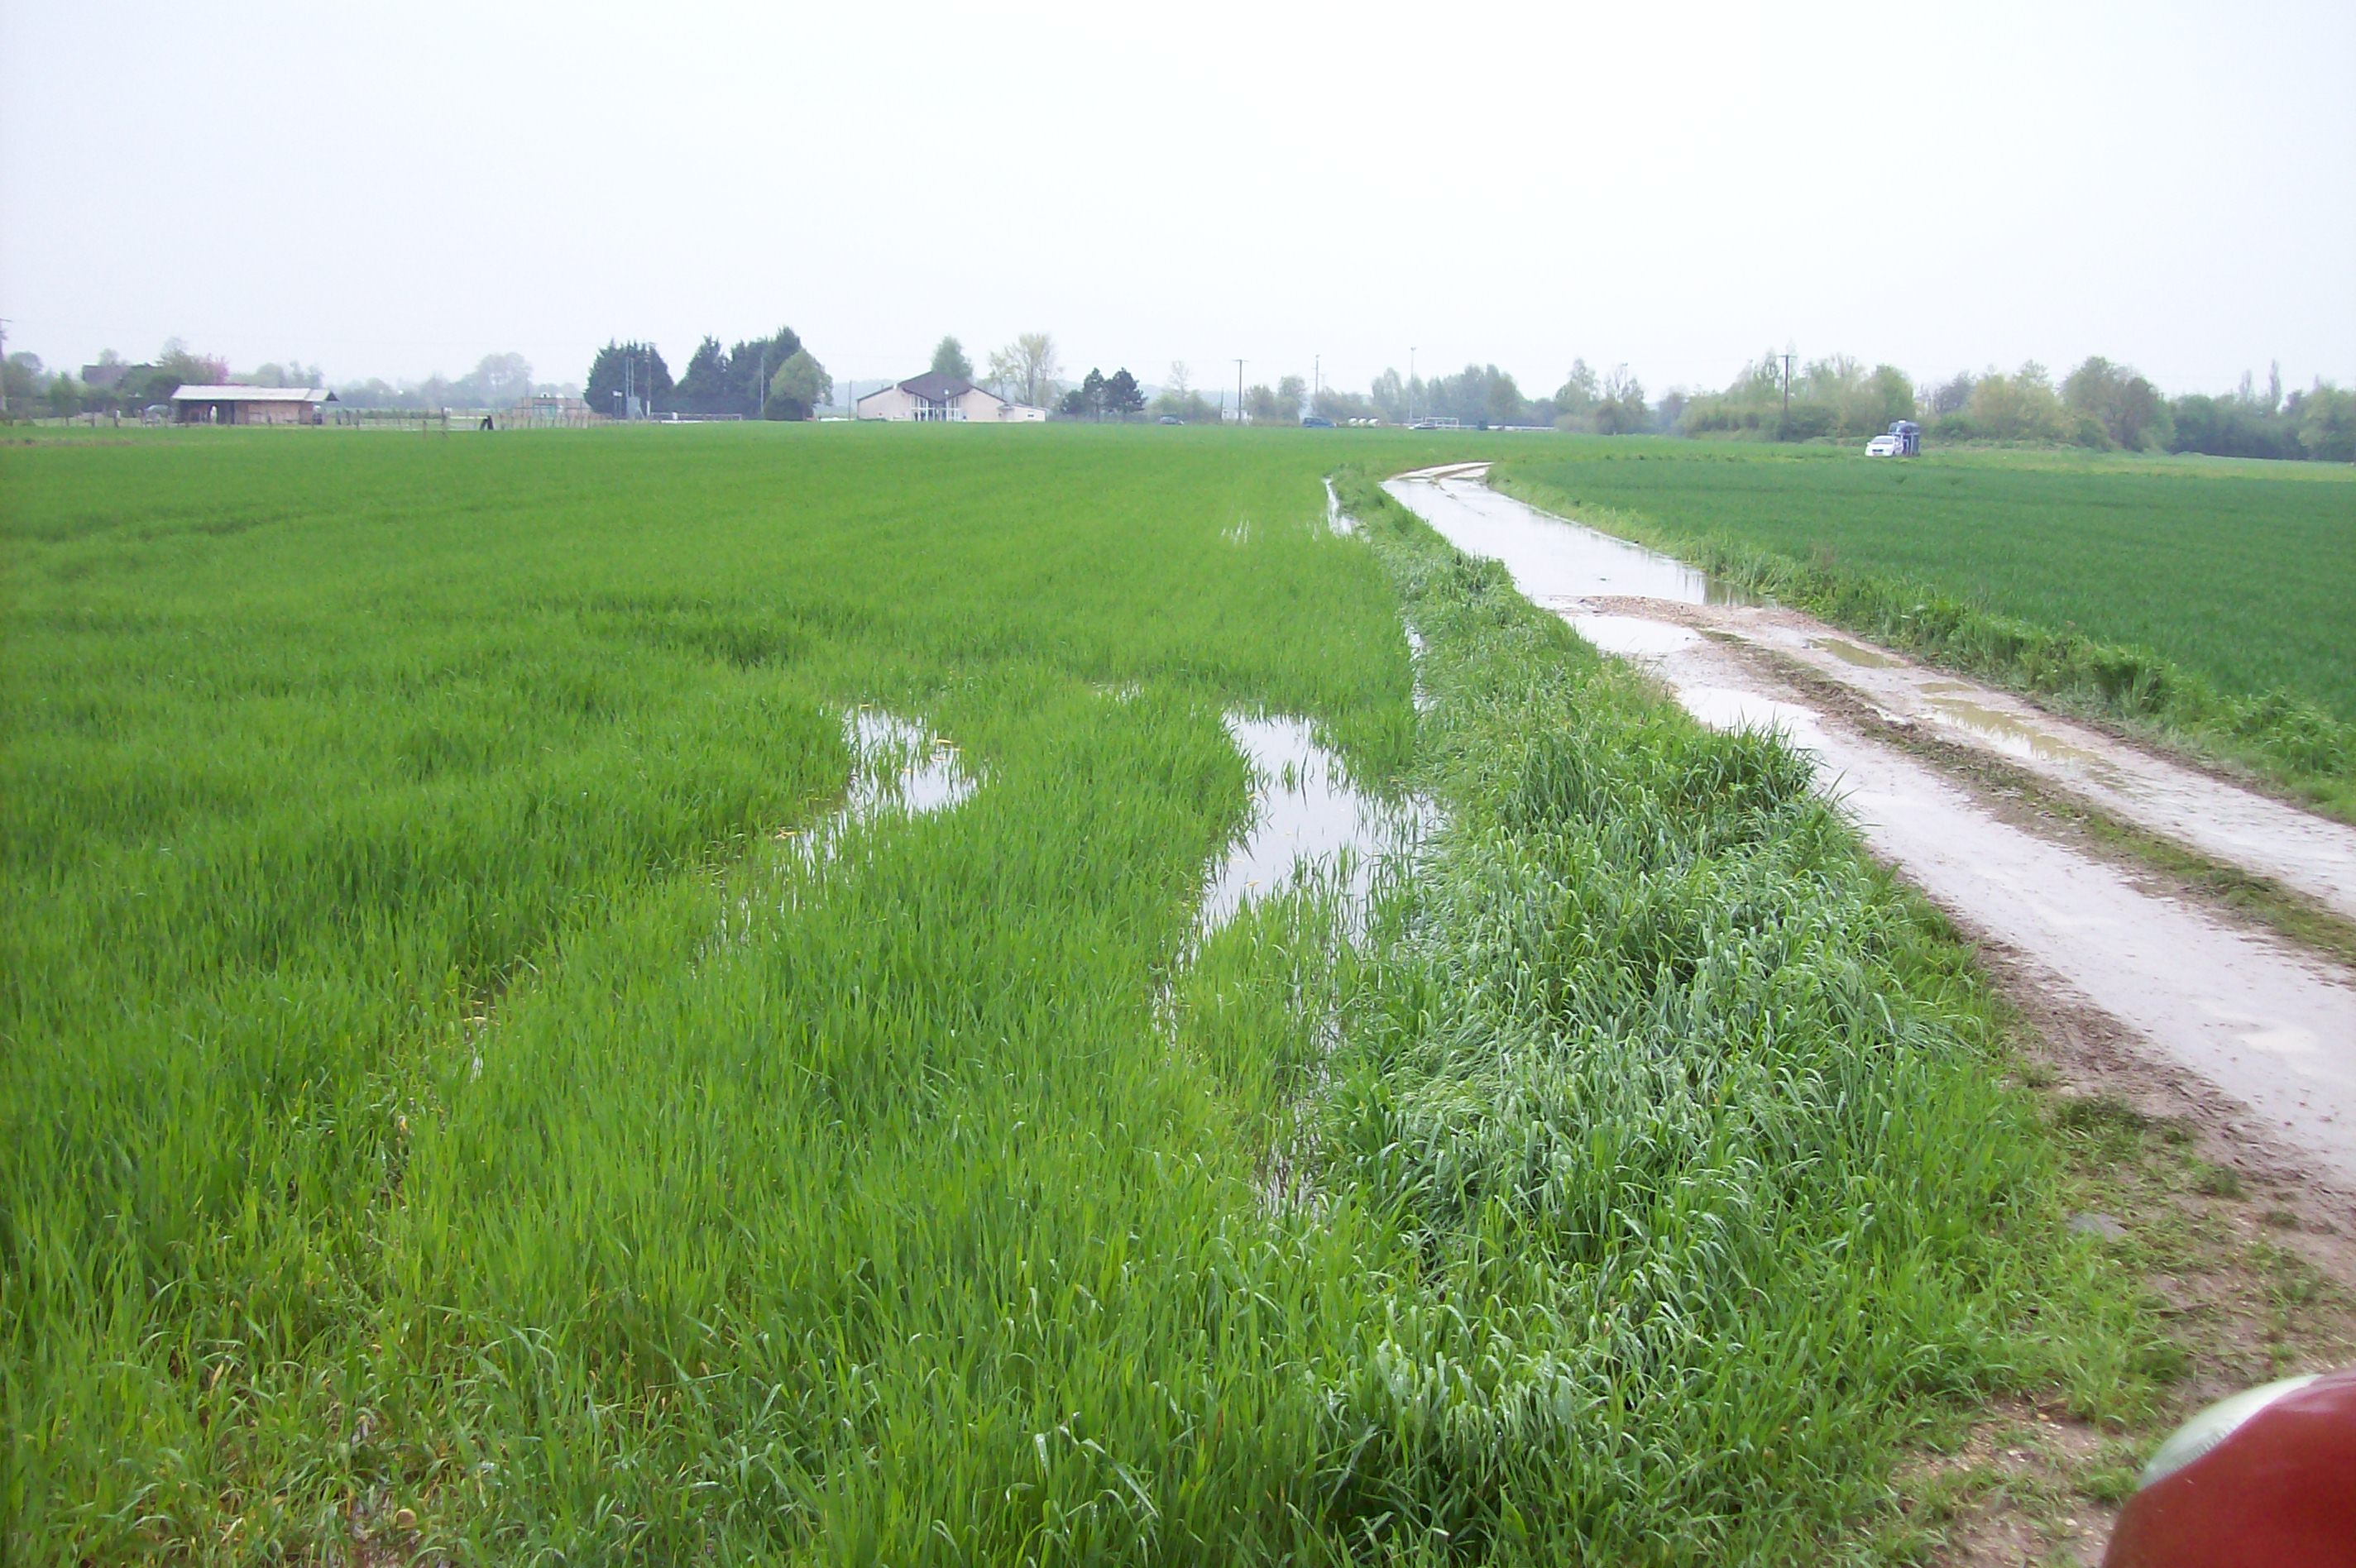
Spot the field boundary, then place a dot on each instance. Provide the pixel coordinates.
(2278, 739)
(2228, 1272)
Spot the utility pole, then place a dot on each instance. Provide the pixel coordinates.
(1316, 379)
(1410, 383)
(1239, 391)
(3, 356)
(1787, 385)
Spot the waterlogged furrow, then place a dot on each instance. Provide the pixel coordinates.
(898, 767)
(1309, 822)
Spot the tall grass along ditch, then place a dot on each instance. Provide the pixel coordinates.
(393, 1164)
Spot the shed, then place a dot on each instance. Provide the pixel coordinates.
(251, 405)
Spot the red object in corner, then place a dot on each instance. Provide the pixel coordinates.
(2278, 1492)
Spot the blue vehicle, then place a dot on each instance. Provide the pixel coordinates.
(1315, 421)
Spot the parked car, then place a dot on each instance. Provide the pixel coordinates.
(1902, 439)
(1169, 418)
(1315, 421)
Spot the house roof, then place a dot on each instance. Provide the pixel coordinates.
(104, 375)
(935, 388)
(227, 394)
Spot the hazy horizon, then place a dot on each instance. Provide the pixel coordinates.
(1677, 192)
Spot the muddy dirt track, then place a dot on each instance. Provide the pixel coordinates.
(2266, 1029)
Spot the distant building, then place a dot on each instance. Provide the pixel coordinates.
(552, 410)
(106, 377)
(251, 405)
(933, 398)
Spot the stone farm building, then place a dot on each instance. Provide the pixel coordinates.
(251, 405)
(932, 398)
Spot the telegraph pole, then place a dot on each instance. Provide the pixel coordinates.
(1239, 391)
(1410, 383)
(4, 354)
(1787, 385)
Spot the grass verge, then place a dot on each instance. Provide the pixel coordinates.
(1696, 1127)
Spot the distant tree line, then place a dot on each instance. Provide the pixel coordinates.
(759, 377)
(118, 386)
(2101, 406)
(497, 381)
(1102, 397)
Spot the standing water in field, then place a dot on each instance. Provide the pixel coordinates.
(897, 766)
(1337, 522)
(1307, 821)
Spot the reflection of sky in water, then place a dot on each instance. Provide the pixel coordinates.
(895, 766)
(1307, 820)
(1552, 559)
(2013, 736)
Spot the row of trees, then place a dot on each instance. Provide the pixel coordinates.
(759, 377)
(497, 381)
(1100, 396)
(118, 386)
(33, 387)
(2100, 405)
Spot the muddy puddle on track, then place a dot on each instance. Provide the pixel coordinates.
(2256, 1017)
(1555, 562)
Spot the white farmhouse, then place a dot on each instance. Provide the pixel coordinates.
(935, 399)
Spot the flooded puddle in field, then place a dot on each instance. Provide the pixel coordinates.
(1337, 521)
(898, 767)
(1554, 562)
(1419, 693)
(1307, 821)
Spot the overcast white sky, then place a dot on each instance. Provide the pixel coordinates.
(397, 189)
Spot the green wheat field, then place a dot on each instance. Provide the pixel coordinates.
(450, 1110)
(2208, 602)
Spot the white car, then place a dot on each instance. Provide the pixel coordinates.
(1884, 446)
